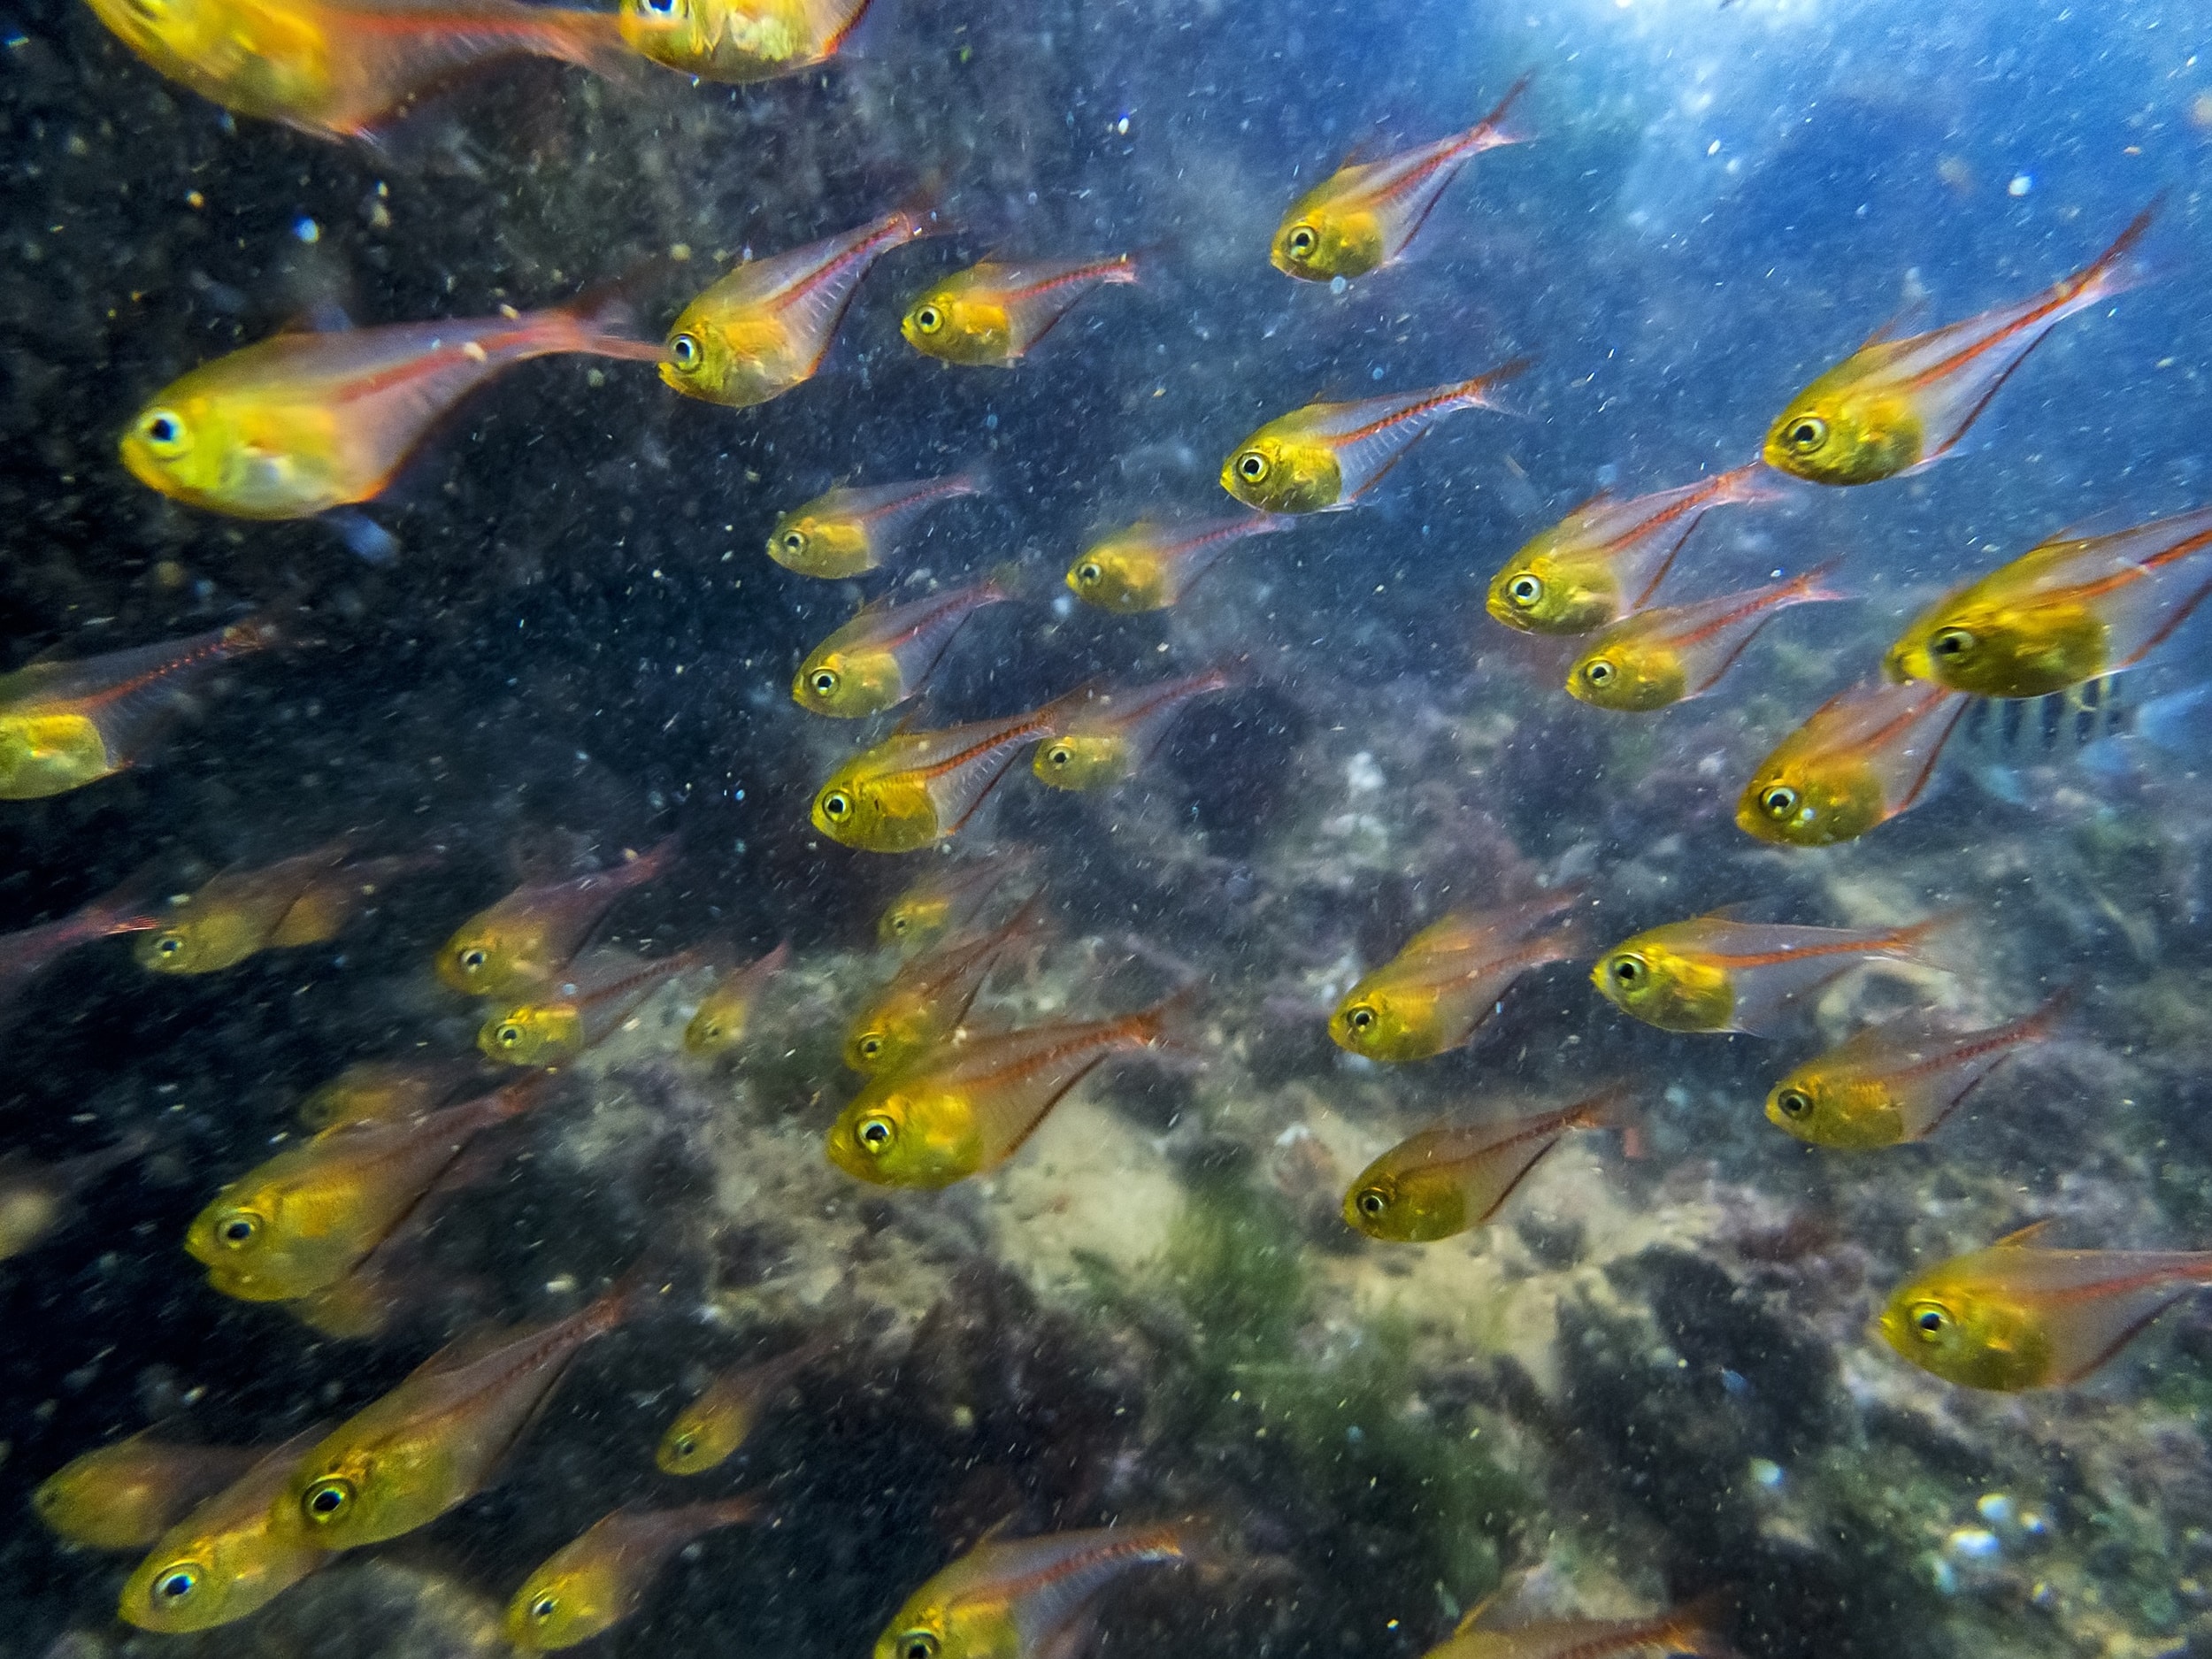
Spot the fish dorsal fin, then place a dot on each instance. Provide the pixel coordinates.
(2024, 1237)
(324, 316)
(1894, 326)
(1473, 1615)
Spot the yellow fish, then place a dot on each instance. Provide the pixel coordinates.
(848, 532)
(1445, 1180)
(298, 1222)
(949, 897)
(991, 314)
(931, 994)
(966, 1107)
(597, 1580)
(437, 1439)
(709, 1430)
(1713, 974)
(1109, 734)
(738, 41)
(2013, 1316)
(300, 423)
(37, 1198)
(1896, 405)
(28, 952)
(523, 941)
(1606, 558)
(766, 326)
(719, 1023)
(1150, 567)
(125, 1496)
(1863, 757)
(584, 1009)
(1651, 659)
(1028, 1598)
(302, 900)
(917, 787)
(1899, 1080)
(224, 1559)
(887, 652)
(1435, 993)
(2071, 609)
(1362, 216)
(385, 1091)
(342, 68)
(64, 725)
(1326, 456)
(1683, 1630)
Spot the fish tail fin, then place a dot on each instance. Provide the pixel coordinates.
(1752, 484)
(592, 41)
(1491, 131)
(1130, 267)
(1007, 580)
(248, 634)
(1810, 586)
(1480, 388)
(600, 322)
(1615, 1107)
(636, 869)
(1692, 1628)
(2047, 1018)
(2116, 269)
(707, 1517)
(976, 479)
(517, 1098)
(1164, 1028)
(642, 1285)
(1911, 941)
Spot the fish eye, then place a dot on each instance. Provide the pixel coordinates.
(872, 1045)
(152, 10)
(918, 1644)
(1597, 674)
(795, 540)
(1090, 574)
(543, 1608)
(1626, 971)
(239, 1228)
(928, 318)
(473, 958)
(899, 924)
(1794, 1102)
(176, 1582)
(1930, 1319)
(1951, 643)
(876, 1133)
(508, 1035)
(327, 1498)
(687, 1444)
(1373, 1202)
(683, 350)
(1252, 467)
(163, 429)
(659, 8)
(825, 681)
(1806, 433)
(1301, 242)
(1524, 590)
(169, 944)
(1778, 801)
(1360, 1018)
(1059, 755)
(836, 805)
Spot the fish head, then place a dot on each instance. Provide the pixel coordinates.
(701, 1438)
(669, 32)
(892, 812)
(561, 1604)
(181, 1586)
(848, 685)
(28, 1211)
(1541, 591)
(1627, 677)
(198, 939)
(923, 1631)
(1380, 1023)
(1972, 1334)
(1319, 243)
(815, 544)
(958, 327)
(1840, 431)
(532, 1033)
(719, 1023)
(1671, 989)
(1832, 1107)
(240, 1235)
(484, 960)
(102, 1500)
(1989, 649)
(1120, 576)
(1082, 760)
(1279, 468)
(913, 918)
(181, 38)
(738, 359)
(1415, 1205)
(181, 444)
(1793, 801)
(346, 1494)
(885, 1037)
(907, 1134)
(48, 752)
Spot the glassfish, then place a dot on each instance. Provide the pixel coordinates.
(1326, 456)
(599, 1579)
(2014, 1316)
(1445, 1180)
(298, 1222)
(766, 326)
(2063, 612)
(64, 725)
(28, 952)
(1109, 734)
(1650, 659)
(1150, 566)
(591, 1001)
(227, 1558)
(949, 897)
(1863, 757)
(1364, 215)
(737, 42)
(520, 943)
(37, 1198)
(719, 1023)
(302, 900)
(1683, 1630)
(1028, 1598)
(1435, 993)
(385, 1091)
(438, 1438)
(991, 314)
(709, 1430)
(1606, 558)
(342, 68)
(1896, 404)
(846, 531)
(1899, 1080)
(917, 787)
(887, 652)
(124, 1496)
(932, 991)
(966, 1107)
(1713, 974)
(303, 422)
